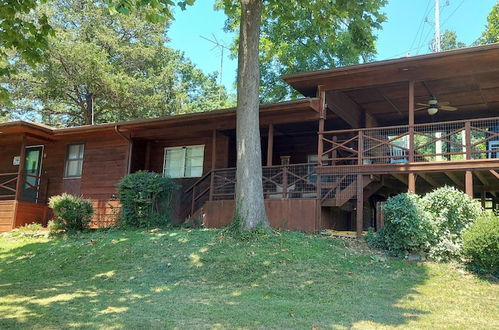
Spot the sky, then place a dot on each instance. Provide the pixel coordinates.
(405, 30)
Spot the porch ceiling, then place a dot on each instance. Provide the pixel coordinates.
(467, 78)
(474, 95)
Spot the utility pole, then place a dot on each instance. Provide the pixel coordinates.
(437, 26)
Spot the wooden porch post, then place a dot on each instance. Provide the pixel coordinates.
(321, 94)
(270, 145)
(469, 183)
(147, 162)
(411, 121)
(22, 160)
(412, 177)
(360, 205)
(213, 164)
(214, 149)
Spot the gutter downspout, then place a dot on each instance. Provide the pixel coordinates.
(130, 147)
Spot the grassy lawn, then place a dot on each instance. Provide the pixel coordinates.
(201, 279)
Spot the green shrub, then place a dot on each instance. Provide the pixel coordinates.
(453, 212)
(72, 213)
(53, 225)
(29, 230)
(481, 244)
(146, 199)
(408, 229)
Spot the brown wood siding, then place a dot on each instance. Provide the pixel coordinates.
(27, 213)
(298, 147)
(156, 163)
(6, 215)
(104, 164)
(294, 214)
(106, 213)
(9, 148)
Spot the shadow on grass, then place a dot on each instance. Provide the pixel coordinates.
(198, 279)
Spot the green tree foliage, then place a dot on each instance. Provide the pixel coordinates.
(449, 41)
(307, 35)
(21, 32)
(120, 62)
(491, 33)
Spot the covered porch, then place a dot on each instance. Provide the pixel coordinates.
(23, 186)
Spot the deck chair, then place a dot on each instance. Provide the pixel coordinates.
(279, 191)
(493, 146)
(399, 154)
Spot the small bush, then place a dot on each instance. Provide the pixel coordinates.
(408, 227)
(453, 212)
(481, 244)
(146, 199)
(29, 230)
(72, 213)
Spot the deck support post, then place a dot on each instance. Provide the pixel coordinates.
(483, 196)
(469, 183)
(359, 219)
(270, 145)
(411, 183)
(22, 160)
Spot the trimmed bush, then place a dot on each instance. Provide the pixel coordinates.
(72, 213)
(408, 227)
(453, 212)
(146, 199)
(481, 244)
(432, 225)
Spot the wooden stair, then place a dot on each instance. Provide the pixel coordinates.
(348, 193)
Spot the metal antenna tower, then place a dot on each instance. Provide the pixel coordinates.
(222, 47)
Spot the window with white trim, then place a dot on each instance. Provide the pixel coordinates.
(74, 160)
(183, 162)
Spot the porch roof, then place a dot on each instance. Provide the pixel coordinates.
(225, 119)
(467, 78)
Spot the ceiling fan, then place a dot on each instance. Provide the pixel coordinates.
(433, 106)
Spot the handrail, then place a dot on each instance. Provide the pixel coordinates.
(462, 121)
(468, 138)
(40, 188)
(198, 181)
(9, 174)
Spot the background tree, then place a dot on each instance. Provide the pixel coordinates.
(449, 41)
(21, 32)
(298, 36)
(491, 33)
(119, 62)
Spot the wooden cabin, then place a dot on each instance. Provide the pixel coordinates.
(360, 134)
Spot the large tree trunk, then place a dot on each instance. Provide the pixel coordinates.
(250, 207)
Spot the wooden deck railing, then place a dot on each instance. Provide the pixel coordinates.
(282, 181)
(442, 141)
(33, 188)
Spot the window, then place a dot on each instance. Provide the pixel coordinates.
(74, 160)
(183, 162)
